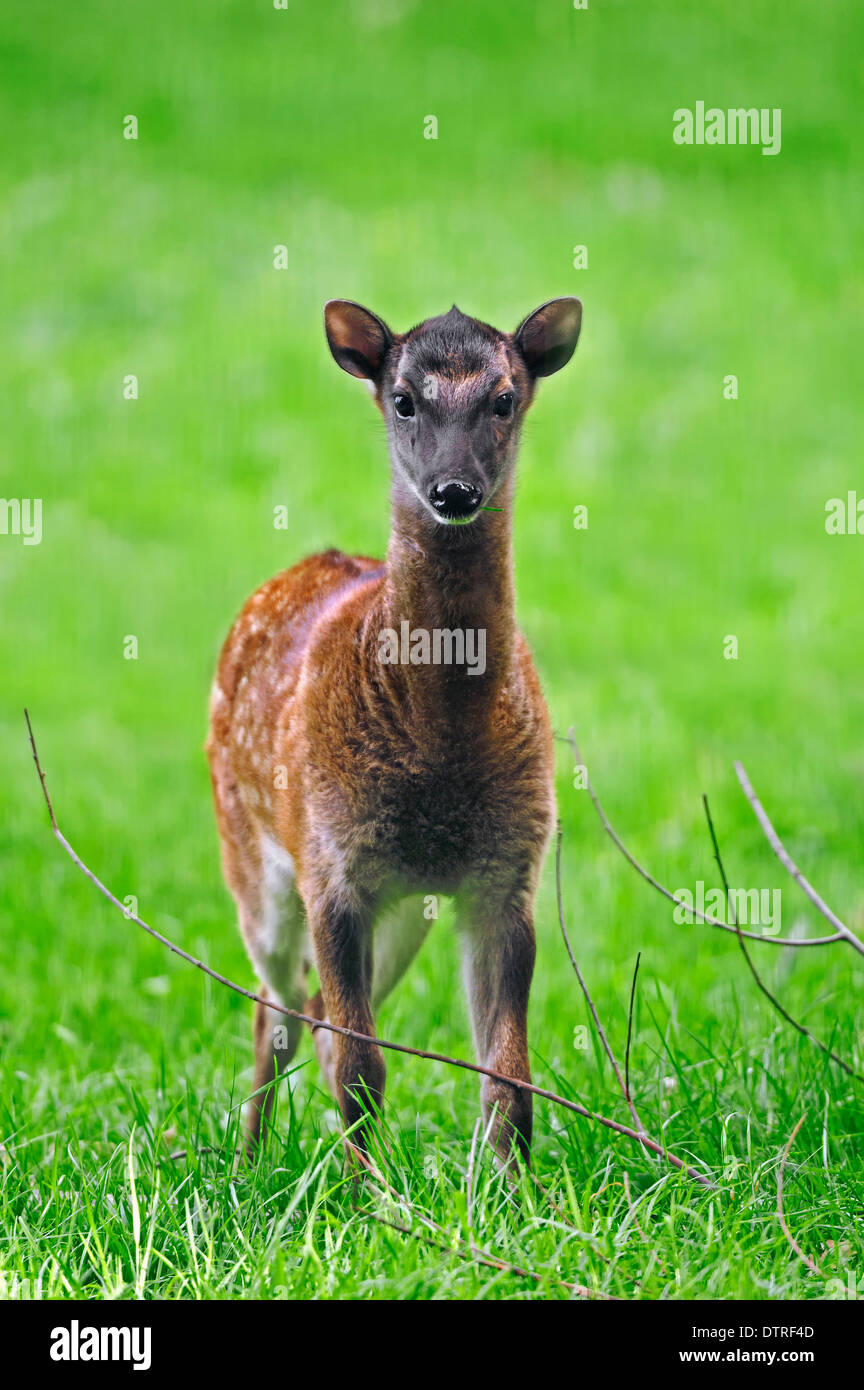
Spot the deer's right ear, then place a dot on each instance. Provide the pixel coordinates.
(547, 338)
(358, 339)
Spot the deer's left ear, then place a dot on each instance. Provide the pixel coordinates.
(547, 339)
(358, 339)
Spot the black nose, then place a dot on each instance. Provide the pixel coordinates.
(455, 499)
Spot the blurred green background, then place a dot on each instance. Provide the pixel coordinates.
(304, 128)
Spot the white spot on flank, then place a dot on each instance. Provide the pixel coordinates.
(278, 866)
(280, 921)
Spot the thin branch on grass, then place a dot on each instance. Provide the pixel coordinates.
(792, 868)
(649, 878)
(475, 1067)
(469, 1181)
(491, 1261)
(584, 988)
(564, 1218)
(176, 1156)
(462, 1249)
(630, 1024)
(805, 1032)
(630, 1204)
(811, 1264)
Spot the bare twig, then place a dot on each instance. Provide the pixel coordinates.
(184, 1153)
(649, 878)
(469, 1181)
(792, 868)
(811, 1264)
(563, 1101)
(630, 1204)
(461, 1249)
(805, 1032)
(630, 1024)
(491, 1261)
(584, 988)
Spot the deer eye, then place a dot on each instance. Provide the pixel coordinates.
(503, 405)
(404, 407)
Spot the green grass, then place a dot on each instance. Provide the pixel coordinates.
(706, 518)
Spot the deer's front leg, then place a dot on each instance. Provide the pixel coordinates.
(499, 962)
(342, 938)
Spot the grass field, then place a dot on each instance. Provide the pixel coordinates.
(304, 128)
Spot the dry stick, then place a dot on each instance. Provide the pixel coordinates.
(462, 1249)
(792, 868)
(582, 985)
(537, 1184)
(350, 1032)
(805, 1032)
(632, 1208)
(361, 1157)
(630, 1025)
(481, 1257)
(649, 878)
(367, 1163)
(811, 1264)
(563, 1217)
(469, 1183)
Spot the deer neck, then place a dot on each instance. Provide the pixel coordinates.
(448, 594)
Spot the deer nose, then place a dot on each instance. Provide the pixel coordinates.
(454, 500)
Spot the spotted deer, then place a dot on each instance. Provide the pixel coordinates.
(353, 779)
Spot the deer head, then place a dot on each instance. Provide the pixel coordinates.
(453, 392)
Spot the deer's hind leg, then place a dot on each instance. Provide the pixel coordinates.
(260, 875)
(277, 941)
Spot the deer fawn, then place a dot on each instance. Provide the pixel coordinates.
(358, 764)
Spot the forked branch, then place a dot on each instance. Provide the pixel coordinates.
(760, 983)
(838, 935)
(792, 868)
